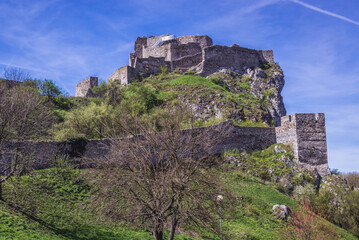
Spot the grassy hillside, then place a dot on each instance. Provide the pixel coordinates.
(51, 204)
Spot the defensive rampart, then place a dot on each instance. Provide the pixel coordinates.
(304, 132)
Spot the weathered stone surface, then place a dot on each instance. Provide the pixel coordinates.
(189, 52)
(306, 132)
(267, 85)
(83, 89)
(236, 57)
(124, 75)
(281, 211)
(242, 138)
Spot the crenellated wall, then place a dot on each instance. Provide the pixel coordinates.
(304, 132)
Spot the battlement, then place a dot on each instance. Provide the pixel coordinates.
(83, 89)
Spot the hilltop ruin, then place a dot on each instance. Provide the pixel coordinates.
(196, 53)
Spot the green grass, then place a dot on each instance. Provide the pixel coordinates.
(254, 219)
(50, 205)
(190, 80)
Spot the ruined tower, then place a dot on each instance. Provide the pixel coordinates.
(307, 135)
(83, 89)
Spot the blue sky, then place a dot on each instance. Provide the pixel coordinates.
(316, 42)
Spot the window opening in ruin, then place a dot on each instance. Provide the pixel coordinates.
(313, 150)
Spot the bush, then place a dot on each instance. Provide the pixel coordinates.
(92, 121)
(353, 179)
(308, 192)
(305, 224)
(141, 98)
(339, 203)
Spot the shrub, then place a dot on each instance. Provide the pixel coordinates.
(353, 179)
(305, 224)
(92, 121)
(340, 204)
(265, 66)
(308, 192)
(163, 70)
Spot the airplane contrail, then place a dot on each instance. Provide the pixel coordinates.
(325, 12)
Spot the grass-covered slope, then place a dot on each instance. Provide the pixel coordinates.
(50, 204)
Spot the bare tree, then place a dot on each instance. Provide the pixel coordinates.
(23, 116)
(162, 176)
(16, 74)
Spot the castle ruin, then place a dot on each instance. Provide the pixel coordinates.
(196, 53)
(185, 53)
(84, 88)
(305, 132)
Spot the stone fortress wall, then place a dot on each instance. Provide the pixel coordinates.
(307, 134)
(304, 132)
(83, 89)
(186, 52)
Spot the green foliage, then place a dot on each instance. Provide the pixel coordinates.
(249, 123)
(163, 70)
(92, 121)
(141, 98)
(53, 199)
(191, 80)
(46, 87)
(353, 179)
(267, 164)
(190, 72)
(266, 66)
(307, 192)
(101, 89)
(253, 218)
(269, 93)
(339, 204)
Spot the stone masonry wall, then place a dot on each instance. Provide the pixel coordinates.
(190, 52)
(183, 50)
(83, 89)
(173, 49)
(202, 40)
(304, 132)
(84, 151)
(234, 57)
(312, 145)
(287, 133)
(307, 135)
(124, 75)
(187, 62)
